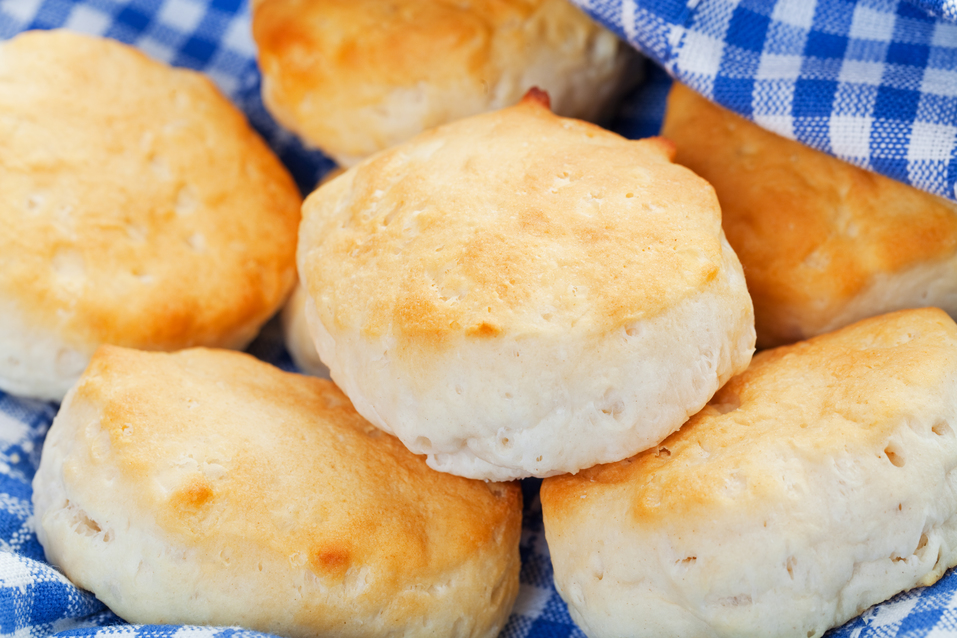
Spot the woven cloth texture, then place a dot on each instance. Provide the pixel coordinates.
(873, 82)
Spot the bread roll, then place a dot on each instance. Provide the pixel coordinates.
(520, 294)
(823, 243)
(817, 483)
(207, 487)
(354, 77)
(138, 207)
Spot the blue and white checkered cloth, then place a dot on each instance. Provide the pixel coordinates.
(874, 82)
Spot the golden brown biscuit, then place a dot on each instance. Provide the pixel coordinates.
(815, 484)
(207, 487)
(356, 76)
(823, 243)
(521, 294)
(138, 206)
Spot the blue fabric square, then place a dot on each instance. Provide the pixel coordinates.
(825, 45)
(133, 19)
(813, 98)
(748, 30)
(734, 93)
(909, 10)
(909, 54)
(196, 52)
(893, 103)
(917, 624)
(227, 6)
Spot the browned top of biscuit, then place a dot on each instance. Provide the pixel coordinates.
(223, 450)
(809, 229)
(138, 205)
(795, 408)
(325, 57)
(370, 46)
(516, 221)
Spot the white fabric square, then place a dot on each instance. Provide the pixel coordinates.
(850, 136)
(156, 49)
(892, 613)
(701, 54)
(773, 98)
(781, 124)
(226, 82)
(12, 431)
(859, 72)
(22, 10)
(945, 34)
(182, 15)
(868, 24)
(779, 67)
(798, 13)
(85, 19)
(931, 141)
(239, 38)
(939, 82)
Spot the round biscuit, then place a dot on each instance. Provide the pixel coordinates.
(138, 206)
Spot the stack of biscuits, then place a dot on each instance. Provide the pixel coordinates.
(497, 291)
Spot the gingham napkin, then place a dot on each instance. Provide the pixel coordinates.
(213, 37)
(873, 82)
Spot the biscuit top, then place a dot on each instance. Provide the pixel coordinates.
(323, 58)
(516, 221)
(827, 400)
(138, 205)
(223, 450)
(808, 228)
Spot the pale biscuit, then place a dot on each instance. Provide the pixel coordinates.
(520, 294)
(819, 482)
(207, 487)
(138, 206)
(823, 243)
(298, 338)
(295, 328)
(356, 76)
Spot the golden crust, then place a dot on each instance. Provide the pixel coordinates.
(846, 390)
(329, 64)
(139, 207)
(516, 221)
(299, 481)
(811, 231)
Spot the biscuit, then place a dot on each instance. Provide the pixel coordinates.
(814, 485)
(354, 77)
(298, 339)
(521, 294)
(207, 487)
(139, 209)
(823, 243)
